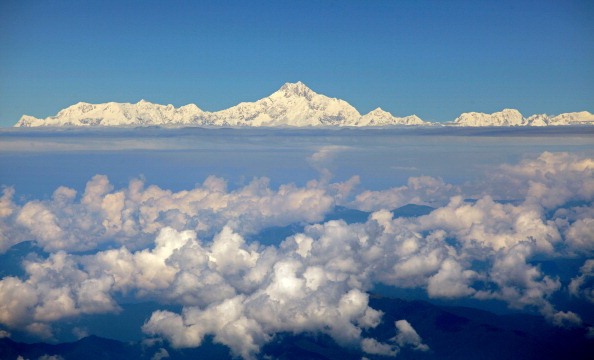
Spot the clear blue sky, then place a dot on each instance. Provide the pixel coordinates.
(435, 59)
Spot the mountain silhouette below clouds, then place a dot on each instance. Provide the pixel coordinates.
(450, 333)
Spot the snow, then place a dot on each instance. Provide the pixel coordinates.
(512, 117)
(293, 105)
(379, 117)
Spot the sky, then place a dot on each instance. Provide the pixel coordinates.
(434, 59)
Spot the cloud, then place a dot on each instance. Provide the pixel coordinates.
(451, 281)
(322, 160)
(372, 346)
(576, 224)
(423, 190)
(491, 224)
(189, 248)
(503, 238)
(9, 233)
(275, 292)
(407, 336)
(55, 288)
(80, 332)
(161, 354)
(551, 180)
(131, 215)
(581, 286)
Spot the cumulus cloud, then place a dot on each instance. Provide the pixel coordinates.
(189, 248)
(408, 336)
(161, 354)
(551, 180)
(503, 238)
(581, 286)
(7, 207)
(487, 223)
(242, 294)
(451, 281)
(56, 288)
(322, 159)
(10, 234)
(131, 215)
(372, 346)
(423, 190)
(576, 224)
(275, 290)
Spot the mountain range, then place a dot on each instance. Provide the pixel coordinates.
(449, 332)
(512, 117)
(293, 105)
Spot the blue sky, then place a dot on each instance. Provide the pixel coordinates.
(435, 59)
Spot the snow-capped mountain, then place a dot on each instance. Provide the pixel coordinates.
(512, 117)
(294, 104)
(574, 118)
(379, 117)
(118, 114)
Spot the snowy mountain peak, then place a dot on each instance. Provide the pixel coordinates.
(510, 111)
(378, 110)
(296, 89)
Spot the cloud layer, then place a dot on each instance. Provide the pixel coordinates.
(189, 248)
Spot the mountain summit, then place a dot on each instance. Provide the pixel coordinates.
(298, 89)
(292, 105)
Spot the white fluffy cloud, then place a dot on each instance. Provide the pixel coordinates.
(423, 190)
(10, 234)
(551, 180)
(274, 290)
(55, 288)
(130, 216)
